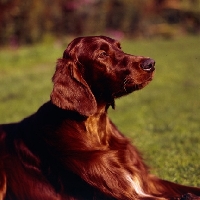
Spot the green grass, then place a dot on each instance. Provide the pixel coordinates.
(163, 119)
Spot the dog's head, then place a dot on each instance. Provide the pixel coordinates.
(95, 70)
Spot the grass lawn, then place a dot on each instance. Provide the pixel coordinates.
(163, 119)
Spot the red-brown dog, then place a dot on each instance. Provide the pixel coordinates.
(70, 149)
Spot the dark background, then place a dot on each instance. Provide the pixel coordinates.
(30, 21)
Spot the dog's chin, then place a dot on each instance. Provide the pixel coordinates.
(138, 86)
(142, 85)
(130, 88)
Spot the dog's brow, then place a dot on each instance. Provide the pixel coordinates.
(104, 47)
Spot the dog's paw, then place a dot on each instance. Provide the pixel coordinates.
(189, 196)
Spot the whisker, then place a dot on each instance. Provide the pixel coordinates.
(127, 80)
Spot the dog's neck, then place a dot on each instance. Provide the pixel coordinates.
(57, 128)
(97, 127)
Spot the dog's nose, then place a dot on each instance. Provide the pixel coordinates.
(148, 64)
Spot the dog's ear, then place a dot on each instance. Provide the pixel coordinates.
(70, 91)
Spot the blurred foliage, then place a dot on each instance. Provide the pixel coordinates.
(25, 22)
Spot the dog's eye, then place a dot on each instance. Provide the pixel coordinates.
(103, 54)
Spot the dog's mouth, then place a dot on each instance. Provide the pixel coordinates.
(142, 85)
(131, 85)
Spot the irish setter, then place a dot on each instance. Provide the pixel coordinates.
(69, 149)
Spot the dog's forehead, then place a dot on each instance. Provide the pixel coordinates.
(101, 42)
(90, 44)
(107, 42)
